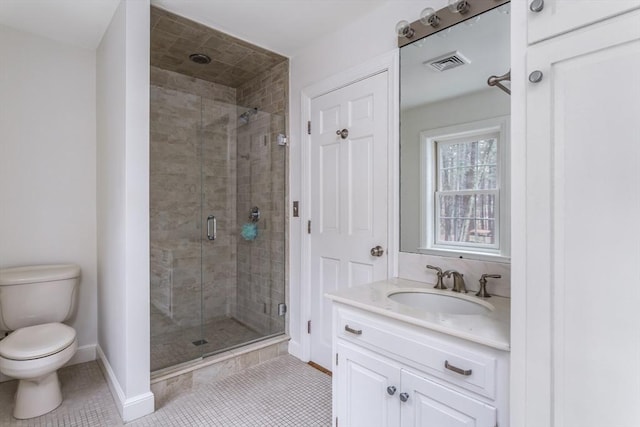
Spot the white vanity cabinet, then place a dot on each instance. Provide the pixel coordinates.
(390, 373)
(553, 17)
(582, 192)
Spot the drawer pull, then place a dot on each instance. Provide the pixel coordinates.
(465, 372)
(353, 331)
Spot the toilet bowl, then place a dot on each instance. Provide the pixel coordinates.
(33, 355)
(34, 301)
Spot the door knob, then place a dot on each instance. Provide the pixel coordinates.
(344, 133)
(377, 251)
(404, 397)
(391, 390)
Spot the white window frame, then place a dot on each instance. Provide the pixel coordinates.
(428, 188)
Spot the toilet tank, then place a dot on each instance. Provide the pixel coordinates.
(37, 294)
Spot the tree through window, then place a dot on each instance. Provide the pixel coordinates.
(467, 194)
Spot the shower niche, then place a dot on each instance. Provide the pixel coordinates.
(217, 191)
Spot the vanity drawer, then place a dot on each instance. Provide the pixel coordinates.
(470, 369)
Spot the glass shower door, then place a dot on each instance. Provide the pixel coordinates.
(243, 268)
(217, 206)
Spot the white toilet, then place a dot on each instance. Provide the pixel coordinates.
(33, 302)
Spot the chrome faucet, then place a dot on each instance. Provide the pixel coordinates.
(439, 284)
(483, 285)
(458, 281)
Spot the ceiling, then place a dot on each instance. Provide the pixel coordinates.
(233, 61)
(76, 22)
(283, 26)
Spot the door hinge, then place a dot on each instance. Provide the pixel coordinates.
(309, 227)
(336, 359)
(336, 421)
(309, 127)
(308, 326)
(282, 309)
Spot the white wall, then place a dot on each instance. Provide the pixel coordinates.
(47, 163)
(354, 44)
(123, 207)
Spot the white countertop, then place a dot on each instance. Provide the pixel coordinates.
(488, 329)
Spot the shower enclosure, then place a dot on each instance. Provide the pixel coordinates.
(217, 203)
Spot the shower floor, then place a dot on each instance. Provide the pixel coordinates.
(175, 347)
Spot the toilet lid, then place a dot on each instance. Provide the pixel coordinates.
(34, 342)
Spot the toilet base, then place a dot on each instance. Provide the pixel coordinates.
(37, 396)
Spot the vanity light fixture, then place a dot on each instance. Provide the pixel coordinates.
(429, 17)
(459, 6)
(440, 21)
(403, 29)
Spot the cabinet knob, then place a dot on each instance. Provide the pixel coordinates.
(535, 76)
(391, 390)
(404, 397)
(536, 6)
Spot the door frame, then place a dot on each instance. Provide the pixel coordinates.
(389, 63)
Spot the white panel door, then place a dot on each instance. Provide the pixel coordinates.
(582, 228)
(561, 16)
(349, 181)
(367, 389)
(428, 404)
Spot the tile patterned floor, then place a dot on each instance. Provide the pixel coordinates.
(282, 392)
(175, 347)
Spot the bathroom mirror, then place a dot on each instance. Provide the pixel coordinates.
(454, 148)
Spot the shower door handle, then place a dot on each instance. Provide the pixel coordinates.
(212, 227)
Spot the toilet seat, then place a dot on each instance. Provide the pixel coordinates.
(34, 342)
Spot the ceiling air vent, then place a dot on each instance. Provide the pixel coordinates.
(447, 61)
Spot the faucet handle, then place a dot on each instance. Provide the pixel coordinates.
(483, 285)
(439, 284)
(433, 267)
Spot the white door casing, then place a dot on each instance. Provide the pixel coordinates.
(349, 197)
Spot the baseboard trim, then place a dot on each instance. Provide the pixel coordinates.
(129, 409)
(295, 349)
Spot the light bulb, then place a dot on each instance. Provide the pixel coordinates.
(429, 17)
(458, 6)
(403, 29)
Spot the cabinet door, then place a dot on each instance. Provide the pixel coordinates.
(582, 229)
(429, 404)
(361, 387)
(561, 16)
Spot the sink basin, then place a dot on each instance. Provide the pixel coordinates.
(441, 303)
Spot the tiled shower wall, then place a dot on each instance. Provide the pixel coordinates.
(242, 169)
(261, 182)
(181, 107)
